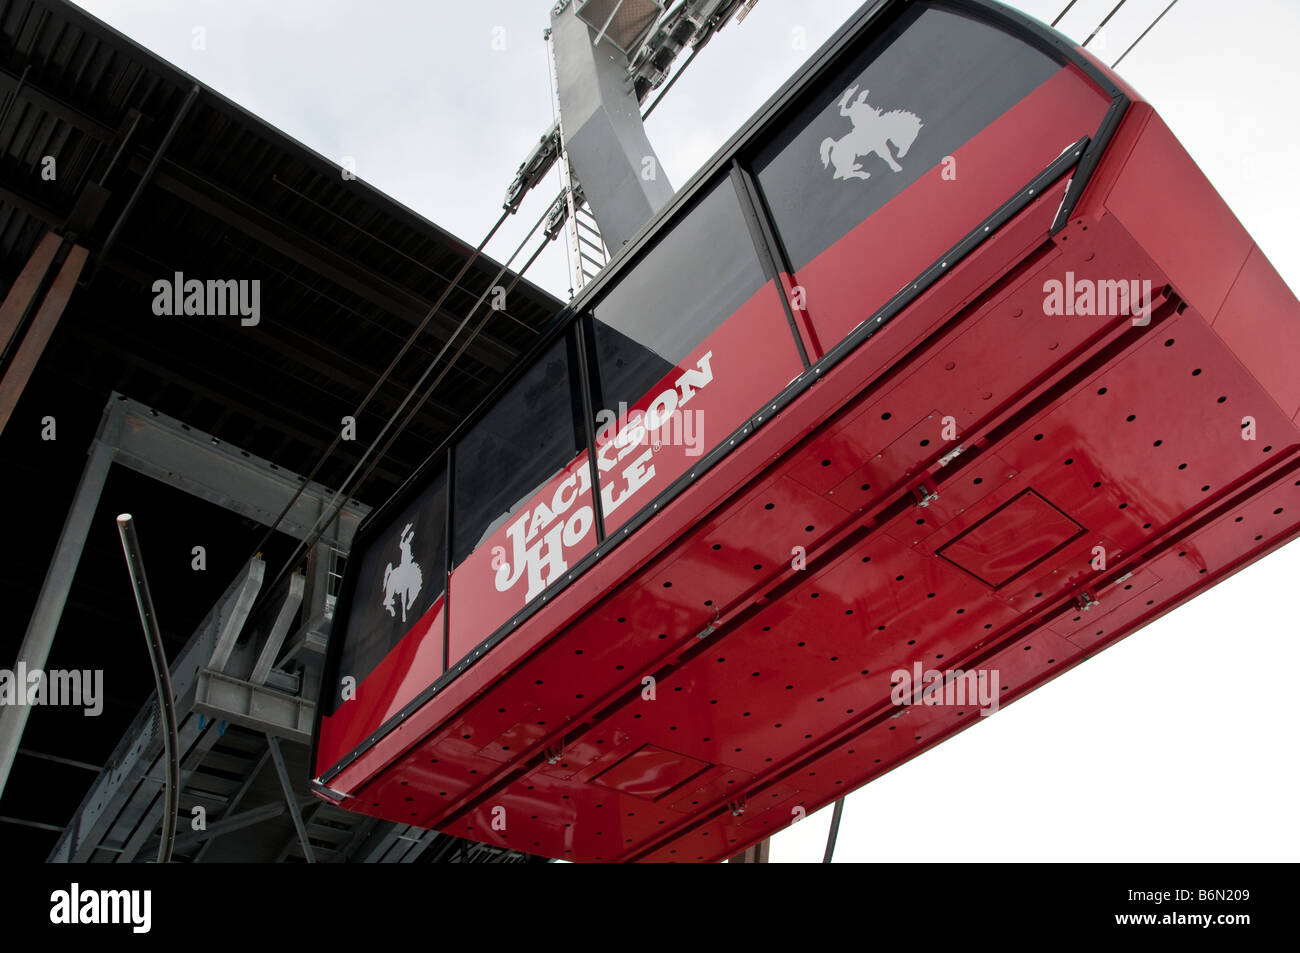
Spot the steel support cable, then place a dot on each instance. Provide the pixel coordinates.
(340, 497)
(1102, 24)
(671, 80)
(433, 385)
(1144, 33)
(379, 382)
(162, 682)
(321, 206)
(1060, 16)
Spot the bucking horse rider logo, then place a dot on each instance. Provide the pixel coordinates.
(873, 131)
(405, 579)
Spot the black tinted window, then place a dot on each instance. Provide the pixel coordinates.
(918, 92)
(529, 435)
(402, 574)
(674, 297)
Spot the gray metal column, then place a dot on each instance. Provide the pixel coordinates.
(604, 138)
(54, 594)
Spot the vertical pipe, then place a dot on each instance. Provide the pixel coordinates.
(835, 830)
(162, 681)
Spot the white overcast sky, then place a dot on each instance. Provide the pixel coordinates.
(1179, 743)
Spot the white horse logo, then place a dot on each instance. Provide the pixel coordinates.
(873, 131)
(405, 579)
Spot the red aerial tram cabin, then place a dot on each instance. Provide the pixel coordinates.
(950, 360)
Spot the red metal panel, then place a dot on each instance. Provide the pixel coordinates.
(1168, 205)
(411, 667)
(651, 772)
(533, 548)
(1075, 626)
(1259, 290)
(1011, 540)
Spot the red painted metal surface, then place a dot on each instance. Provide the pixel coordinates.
(405, 672)
(738, 658)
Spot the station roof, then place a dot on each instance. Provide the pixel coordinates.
(345, 274)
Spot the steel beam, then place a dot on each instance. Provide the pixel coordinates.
(37, 335)
(309, 812)
(604, 138)
(278, 757)
(232, 622)
(312, 636)
(312, 430)
(68, 762)
(254, 706)
(198, 463)
(249, 778)
(279, 628)
(44, 622)
(25, 287)
(255, 815)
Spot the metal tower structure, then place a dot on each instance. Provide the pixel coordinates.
(607, 57)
